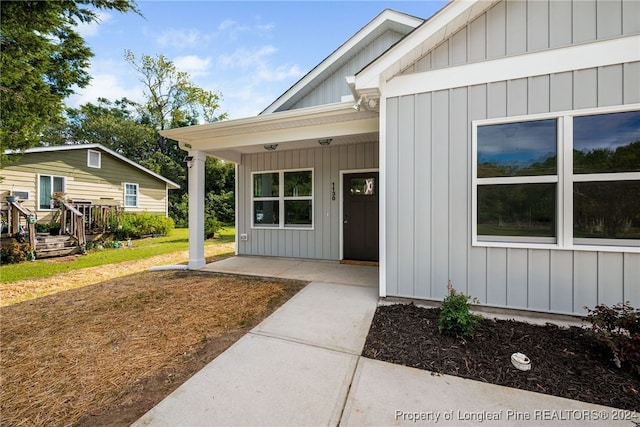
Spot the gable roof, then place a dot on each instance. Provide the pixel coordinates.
(387, 20)
(453, 16)
(100, 147)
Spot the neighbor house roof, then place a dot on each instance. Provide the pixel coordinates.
(100, 147)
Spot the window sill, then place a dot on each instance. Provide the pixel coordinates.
(556, 247)
(285, 228)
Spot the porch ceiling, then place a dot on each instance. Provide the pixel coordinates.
(294, 129)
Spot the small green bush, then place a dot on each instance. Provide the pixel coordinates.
(618, 328)
(42, 228)
(136, 225)
(13, 252)
(211, 227)
(455, 318)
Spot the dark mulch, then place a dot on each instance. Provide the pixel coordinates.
(565, 362)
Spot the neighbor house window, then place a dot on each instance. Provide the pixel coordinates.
(130, 195)
(283, 199)
(568, 180)
(94, 159)
(47, 185)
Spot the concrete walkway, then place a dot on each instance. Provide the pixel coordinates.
(301, 367)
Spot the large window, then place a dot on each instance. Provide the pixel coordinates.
(568, 180)
(283, 199)
(130, 195)
(47, 185)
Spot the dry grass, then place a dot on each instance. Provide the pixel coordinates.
(11, 293)
(69, 354)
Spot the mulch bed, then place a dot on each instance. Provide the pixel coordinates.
(566, 362)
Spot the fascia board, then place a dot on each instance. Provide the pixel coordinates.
(246, 124)
(277, 136)
(369, 77)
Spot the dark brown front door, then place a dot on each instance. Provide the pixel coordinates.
(360, 221)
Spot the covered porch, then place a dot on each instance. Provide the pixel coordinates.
(325, 143)
(298, 269)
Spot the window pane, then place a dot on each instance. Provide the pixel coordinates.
(266, 212)
(297, 184)
(44, 198)
(606, 143)
(297, 212)
(609, 209)
(130, 195)
(517, 210)
(362, 186)
(58, 184)
(517, 149)
(266, 184)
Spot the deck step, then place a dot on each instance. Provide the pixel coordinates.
(48, 246)
(48, 253)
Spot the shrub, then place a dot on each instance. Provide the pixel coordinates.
(211, 227)
(42, 228)
(136, 225)
(13, 252)
(455, 318)
(618, 328)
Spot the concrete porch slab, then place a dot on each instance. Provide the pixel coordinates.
(387, 394)
(261, 381)
(299, 269)
(327, 315)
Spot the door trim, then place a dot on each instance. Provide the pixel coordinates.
(341, 192)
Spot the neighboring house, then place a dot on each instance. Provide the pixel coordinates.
(86, 173)
(492, 145)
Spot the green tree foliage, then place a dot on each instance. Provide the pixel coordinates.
(172, 100)
(42, 58)
(112, 124)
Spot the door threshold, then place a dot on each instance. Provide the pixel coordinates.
(356, 262)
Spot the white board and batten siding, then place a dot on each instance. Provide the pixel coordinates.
(428, 143)
(323, 240)
(333, 88)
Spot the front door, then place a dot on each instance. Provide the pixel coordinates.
(360, 221)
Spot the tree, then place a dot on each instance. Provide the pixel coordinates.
(112, 124)
(172, 100)
(43, 58)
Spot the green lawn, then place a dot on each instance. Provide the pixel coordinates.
(143, 248)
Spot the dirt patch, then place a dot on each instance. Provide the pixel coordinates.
(566, 362)
(106, 353)
(13, 292)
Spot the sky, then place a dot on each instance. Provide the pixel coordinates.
(250, 52)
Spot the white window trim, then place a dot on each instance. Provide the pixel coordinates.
(281, 199)
(64, 189)
(99, 165)
(565, 178)
(124, 191)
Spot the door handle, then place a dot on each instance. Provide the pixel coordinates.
(346, 219)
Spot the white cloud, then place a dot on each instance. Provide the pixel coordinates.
(92, 29)
(182, 38)
(104, 86)
(226, 24)
(193, 64)
(112, 80)
(246, 57)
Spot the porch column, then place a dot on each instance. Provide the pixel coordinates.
(196, 209)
